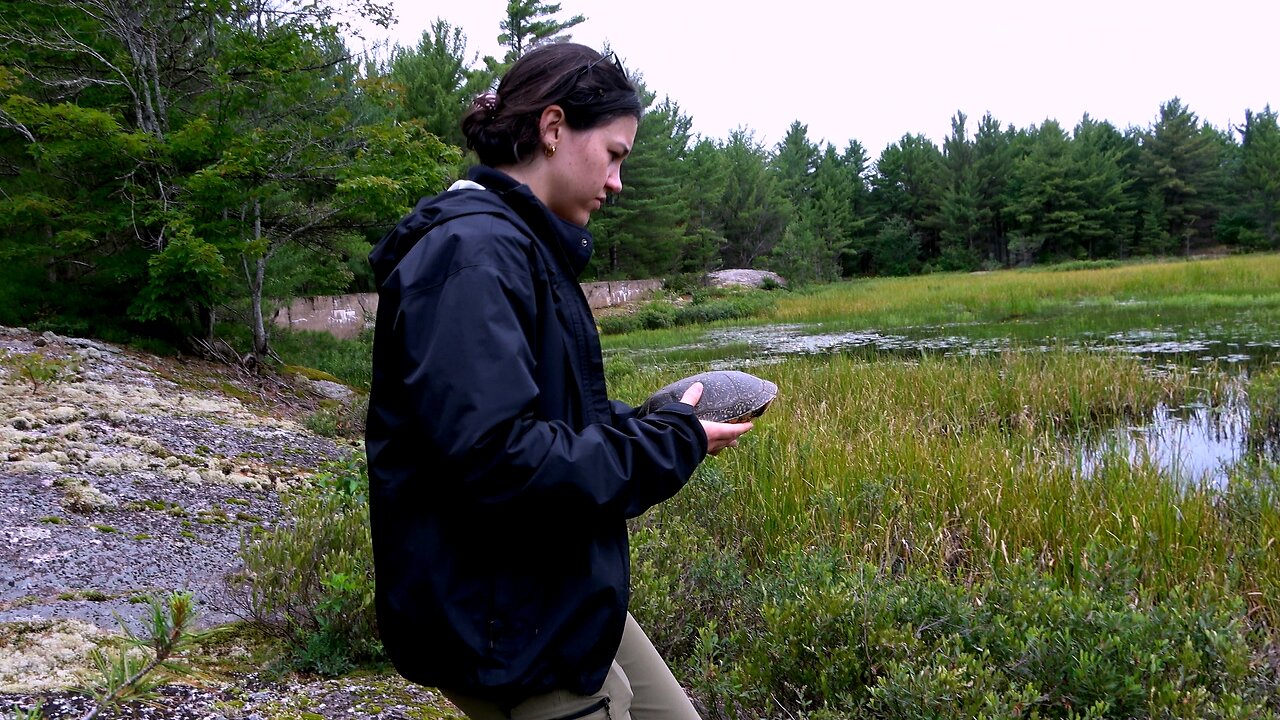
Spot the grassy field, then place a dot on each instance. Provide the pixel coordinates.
(1199, 287)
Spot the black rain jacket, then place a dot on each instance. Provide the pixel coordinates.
(501, 476)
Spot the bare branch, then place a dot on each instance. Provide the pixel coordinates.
(8, 121)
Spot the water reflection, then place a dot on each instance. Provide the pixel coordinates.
(1195, 444)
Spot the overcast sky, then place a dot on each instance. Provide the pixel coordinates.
(873, 71)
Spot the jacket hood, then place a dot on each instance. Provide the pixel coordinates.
(430, 212)
(487, 191)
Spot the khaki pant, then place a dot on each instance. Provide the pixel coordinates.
(639, 686)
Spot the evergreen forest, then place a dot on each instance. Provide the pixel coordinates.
(169, 165)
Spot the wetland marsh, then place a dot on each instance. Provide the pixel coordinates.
(1107, 431)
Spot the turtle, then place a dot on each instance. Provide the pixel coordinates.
(728, 396)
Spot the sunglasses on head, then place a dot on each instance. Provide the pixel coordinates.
(607, 56)
(585, 69)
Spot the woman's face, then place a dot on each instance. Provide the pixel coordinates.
(587, 167)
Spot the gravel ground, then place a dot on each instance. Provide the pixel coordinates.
(124, 476)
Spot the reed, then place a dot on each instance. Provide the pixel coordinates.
(967, 465)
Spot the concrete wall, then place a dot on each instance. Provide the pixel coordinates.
(345, 316)
(619, 292)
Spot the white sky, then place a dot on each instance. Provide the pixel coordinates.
(873, 71)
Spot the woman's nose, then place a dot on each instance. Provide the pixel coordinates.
(614, 182)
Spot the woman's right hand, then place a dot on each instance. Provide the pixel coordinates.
(719, 435)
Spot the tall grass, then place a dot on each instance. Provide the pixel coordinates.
(965, 465)
(1251, 281)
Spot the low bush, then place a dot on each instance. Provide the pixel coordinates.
(808, 632)
(348, 360)
(339, 418)
(38, 369)
(706, 307)
(310, 582)
(1072, 265)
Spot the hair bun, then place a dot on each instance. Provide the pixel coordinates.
(486, 103)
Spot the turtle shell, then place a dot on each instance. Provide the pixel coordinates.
(728, 396)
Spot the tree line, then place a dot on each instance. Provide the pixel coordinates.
(166, 165)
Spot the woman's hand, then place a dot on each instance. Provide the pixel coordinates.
(719, 435)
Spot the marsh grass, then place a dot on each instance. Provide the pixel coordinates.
(964, 466)
(1199, 287)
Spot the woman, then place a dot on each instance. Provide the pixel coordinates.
(501, 475)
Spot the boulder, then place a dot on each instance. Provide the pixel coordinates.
(743, 277)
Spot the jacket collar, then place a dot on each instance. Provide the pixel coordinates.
(573, 241)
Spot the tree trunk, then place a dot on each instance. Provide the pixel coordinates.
(255, 286)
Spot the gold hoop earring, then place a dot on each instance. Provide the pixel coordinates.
(549, 150)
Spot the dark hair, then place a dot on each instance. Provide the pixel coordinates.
(590, 87)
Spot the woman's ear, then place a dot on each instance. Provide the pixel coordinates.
(551, 125)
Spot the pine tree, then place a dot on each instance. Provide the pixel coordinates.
(704, 183)
(641, 232)
(907, 185)
(817, 236)
(959, 218)
(793, 163)
(1182, 161)
(753, 212)
(993, 155)
(1047, 203)
(435, 84)
(1106, 225)
(1258, 178)
(530, 23)
(841, 204)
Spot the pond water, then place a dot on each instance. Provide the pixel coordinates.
(1197, 443)
(1163, 345)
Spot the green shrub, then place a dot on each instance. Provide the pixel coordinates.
(153, 346)
(706, 307)
(617, 324)
(809, 633)
(1072, 265)
(311, 581)
(339, 419)
(856, 642)
(39, 369)
(684, 283)
(657, 315)
(348, 360)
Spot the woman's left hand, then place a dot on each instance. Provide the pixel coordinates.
(719, 435)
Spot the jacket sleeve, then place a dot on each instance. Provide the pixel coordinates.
(469, 370)
(621, 411)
